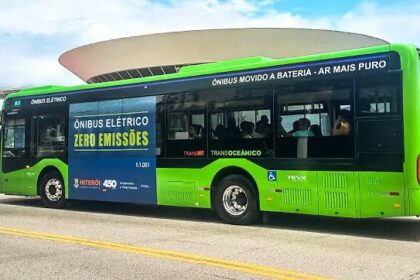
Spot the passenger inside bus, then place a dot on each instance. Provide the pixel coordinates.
(342, 126)
(219, 131)
(303, 128)
(247, 129)
(229, 132)
(300, 128)
(296, 125)
(263, 128)
(195, 131)
(282, 132)
(232, 131)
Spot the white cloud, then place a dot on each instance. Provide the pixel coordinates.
(91, 21)
(24, 71)
(392, 23)
(83, 22)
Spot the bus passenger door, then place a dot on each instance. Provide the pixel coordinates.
(16, 159)
(186, 144)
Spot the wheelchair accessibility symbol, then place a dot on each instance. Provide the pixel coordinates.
(272, 175)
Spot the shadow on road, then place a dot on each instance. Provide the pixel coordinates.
(403, 229)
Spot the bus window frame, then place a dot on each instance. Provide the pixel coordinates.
(332, 112)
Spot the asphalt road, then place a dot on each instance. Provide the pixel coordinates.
(175, 243)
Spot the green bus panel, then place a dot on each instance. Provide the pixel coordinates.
(15, 183)
(327, 193)
(297, 192)
(381, 194)
(191, 187)
(179, 187)
(25, 181)
(337, 194)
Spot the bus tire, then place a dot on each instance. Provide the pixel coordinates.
(236, 201)
(52, 190)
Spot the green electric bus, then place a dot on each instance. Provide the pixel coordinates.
(331, 134)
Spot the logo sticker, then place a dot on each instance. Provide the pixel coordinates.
(272, 175)
(296, 178)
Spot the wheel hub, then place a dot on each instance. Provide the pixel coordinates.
(235, 200)
(53, 190)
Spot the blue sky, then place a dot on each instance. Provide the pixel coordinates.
(316, 8)
(33, 33)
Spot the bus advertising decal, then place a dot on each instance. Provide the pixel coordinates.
(48, 100)
(112, 150)
(310, 70)
(236, 153)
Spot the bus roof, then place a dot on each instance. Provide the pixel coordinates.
(207, 69)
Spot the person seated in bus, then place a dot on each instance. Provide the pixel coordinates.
(191, 132)
(263, 122)
(282, 132)
(262, 128)
(195, 131)
(342, 126)
(219, 131)
(316, 130)
(296, 127)
(303, 129)
(232, 131)
(260, 131)
(247, 129)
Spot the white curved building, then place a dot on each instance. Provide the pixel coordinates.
(163, 53)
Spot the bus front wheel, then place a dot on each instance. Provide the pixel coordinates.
(236, 200)
(52, 190)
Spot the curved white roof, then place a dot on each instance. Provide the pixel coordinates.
(144, 55)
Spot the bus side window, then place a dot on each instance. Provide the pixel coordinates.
(51, 135)
(186, 126)
(308, 120)
(378, 95)
(378, 119)
(241, 122)
(14, 138)
(186, 130)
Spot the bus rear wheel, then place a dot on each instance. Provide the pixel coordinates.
(236, 200)
(52, 190)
